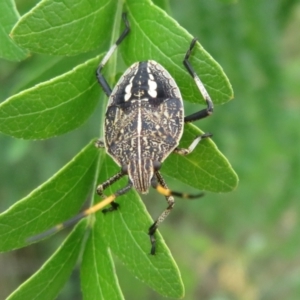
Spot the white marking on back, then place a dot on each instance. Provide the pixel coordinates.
(151, 76)
(128, 91)
(139, 130)
(152, 88)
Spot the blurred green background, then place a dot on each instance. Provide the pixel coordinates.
(240, 245)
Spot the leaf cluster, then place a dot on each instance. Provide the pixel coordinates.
(61, 104)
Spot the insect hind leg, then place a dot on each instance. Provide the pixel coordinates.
(74, 220)
(159, 184)
(101, 187)
(162, 216)
(93, 209)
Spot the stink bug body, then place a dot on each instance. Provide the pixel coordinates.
(144, 123)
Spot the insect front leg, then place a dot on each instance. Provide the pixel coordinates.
(209, 109)
(101, 79)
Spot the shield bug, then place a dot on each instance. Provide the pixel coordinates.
(144, 123)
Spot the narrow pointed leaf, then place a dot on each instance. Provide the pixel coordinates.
(205, 168)
(55, 201)
(167, 42)
(98, 276)
(8, 17)
(53, 107)
(47, 282)
(65, 27)
(126, 233)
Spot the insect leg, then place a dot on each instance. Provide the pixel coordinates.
(196, 141)
(163, 215)
(209, 109)
(81, 215)
(99, 144)
(159, 184)
(102, 81)
(101, 187)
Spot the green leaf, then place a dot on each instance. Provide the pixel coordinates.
(163, 4)
(229, 1)
(50, 278)
(166, 42)
(53, 107)
(98, 276)
(205, 168)
(126, 233)
(65, 27)
(55, 201)
(8, 17)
